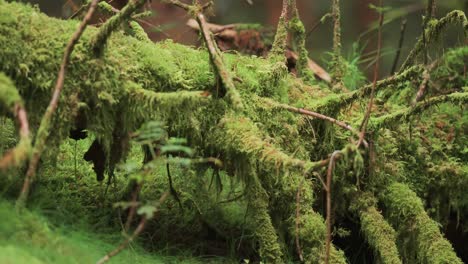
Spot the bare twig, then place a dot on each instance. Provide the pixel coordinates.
(400, 45)
(171, 185)
(138, 230)
(44, 128)
(317, 24)
(374, 83)
(331, 166)
(133, 205)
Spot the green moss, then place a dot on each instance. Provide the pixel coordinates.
(378, 232)
(393, 118)
(265, 148)
(433, 31)
(297, 27)
(270, 250)
(99, 41)
(29, 238)
(407, 214)
(9, 96)
(137, 31)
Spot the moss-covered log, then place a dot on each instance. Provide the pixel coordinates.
(269, 150)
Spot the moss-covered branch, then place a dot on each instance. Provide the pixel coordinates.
(99, 41)
(378, 232)
(281, 36)
(407, 214)
(270, 250)
(433, 31)
(386, 120)
(299, 34)
(12, 101)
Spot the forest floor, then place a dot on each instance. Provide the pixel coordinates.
(31, 238)
(70, 227)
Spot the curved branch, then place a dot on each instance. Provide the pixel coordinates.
(433, 31)
(10, 97)
(314, 114)
(44, 128)
(99, 41)
(378, 122)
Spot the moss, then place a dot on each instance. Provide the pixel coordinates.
(378, 232)
(99, 41)
(407, 214)
(433, 31)
(138, 32)
(263, 149)
(9, 96)
(297, 27)
(393, 118)
(270, 250)
(279, 43)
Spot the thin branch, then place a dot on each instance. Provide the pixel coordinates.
(215, 56)
(336, 61)
(317, 23)
(374, 83)
(138, 230)
(331, 165)
(429, 13)
(281, 36)
(100, 39)
(171, 185)
(314, 114)
(433, 31)
(400, 45)
(298, 220)
(381, 121)
(422, 87)
(336, 15)
(44, 128)
(133, 205)
(12, 101)
(18, 154)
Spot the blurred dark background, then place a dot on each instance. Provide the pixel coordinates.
(358, 20)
